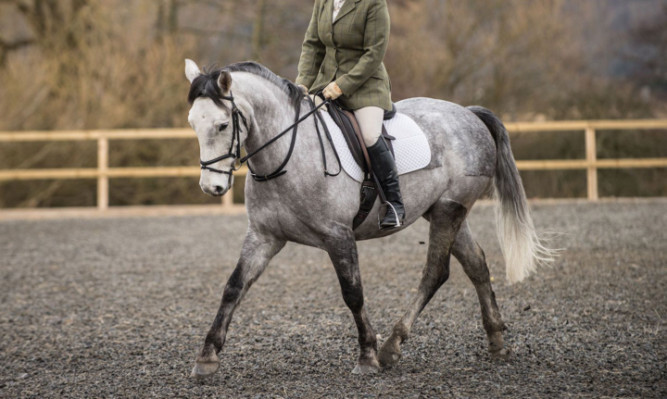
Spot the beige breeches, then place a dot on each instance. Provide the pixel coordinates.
(370, 122)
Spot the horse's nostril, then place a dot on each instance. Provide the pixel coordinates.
(218, 189)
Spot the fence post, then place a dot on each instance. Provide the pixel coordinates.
(102, 170)
(591, 158)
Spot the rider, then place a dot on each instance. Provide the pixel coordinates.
(342, 55)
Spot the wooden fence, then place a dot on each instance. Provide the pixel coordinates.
(103, 172)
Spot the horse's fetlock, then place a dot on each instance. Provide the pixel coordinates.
(496, 341)
(369, 353)
(371, 344)
(401, 331)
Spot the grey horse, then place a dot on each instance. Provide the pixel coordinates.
(245, 104)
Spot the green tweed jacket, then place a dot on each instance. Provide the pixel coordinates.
(348, 50)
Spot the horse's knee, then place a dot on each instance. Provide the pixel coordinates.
(234, 286)
(343, 254)
(352, 294)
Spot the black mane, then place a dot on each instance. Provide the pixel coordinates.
(205, 85)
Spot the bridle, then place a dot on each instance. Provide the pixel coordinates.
(236, 137)
(235, 150)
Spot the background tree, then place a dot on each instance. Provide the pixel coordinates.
(85, 64)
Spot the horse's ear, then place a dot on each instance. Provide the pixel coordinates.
(191, 70)
(225, 82)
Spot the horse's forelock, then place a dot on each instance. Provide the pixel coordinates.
(206, 86)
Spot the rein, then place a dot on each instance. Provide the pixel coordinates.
(235, 153)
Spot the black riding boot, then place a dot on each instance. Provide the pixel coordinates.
(384, 168)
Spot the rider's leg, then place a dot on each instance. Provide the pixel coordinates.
(370, 123)
(384, 166)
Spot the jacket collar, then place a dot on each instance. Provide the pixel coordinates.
(347, 8)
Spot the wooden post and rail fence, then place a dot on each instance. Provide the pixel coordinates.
(103, 172)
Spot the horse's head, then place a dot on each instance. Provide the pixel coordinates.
(211, 117)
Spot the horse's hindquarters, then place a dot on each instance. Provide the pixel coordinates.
(462, 162)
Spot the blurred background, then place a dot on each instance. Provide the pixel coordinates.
(93, 64)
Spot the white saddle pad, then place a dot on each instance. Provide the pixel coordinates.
(410, 147)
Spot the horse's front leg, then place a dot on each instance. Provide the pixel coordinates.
(342, 250)
(256, 253)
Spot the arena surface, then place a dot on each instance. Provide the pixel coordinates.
(119, 307)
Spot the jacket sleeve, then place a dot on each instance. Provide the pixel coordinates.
(376, 39)
(312, 51)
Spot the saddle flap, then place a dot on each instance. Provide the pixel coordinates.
(352, 134)
(411, 147)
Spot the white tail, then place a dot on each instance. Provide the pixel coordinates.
(522, 249)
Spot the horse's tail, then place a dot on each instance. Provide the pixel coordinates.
(522, 249)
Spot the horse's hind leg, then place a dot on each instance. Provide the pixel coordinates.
(471, 257)
(445, 218)
(342, 250)
(256, 253)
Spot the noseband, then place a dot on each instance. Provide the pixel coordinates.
(235, 151)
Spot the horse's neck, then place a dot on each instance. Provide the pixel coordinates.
(270, 113)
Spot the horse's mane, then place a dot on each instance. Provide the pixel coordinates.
(205, 85)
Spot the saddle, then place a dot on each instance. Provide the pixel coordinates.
(370, 187)
(348, 125)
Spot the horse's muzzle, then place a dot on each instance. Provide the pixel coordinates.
(215, 191)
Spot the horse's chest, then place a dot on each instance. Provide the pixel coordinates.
(296, 214)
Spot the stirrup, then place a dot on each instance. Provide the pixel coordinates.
(393, 210)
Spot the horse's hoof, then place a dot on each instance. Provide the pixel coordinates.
(390, 354)
(204, 369)
(205, 365)
(363, 369)
(503, 354)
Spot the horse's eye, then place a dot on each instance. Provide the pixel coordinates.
(222, 126)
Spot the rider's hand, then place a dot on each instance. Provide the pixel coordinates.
(332, 91)
(304, 89)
